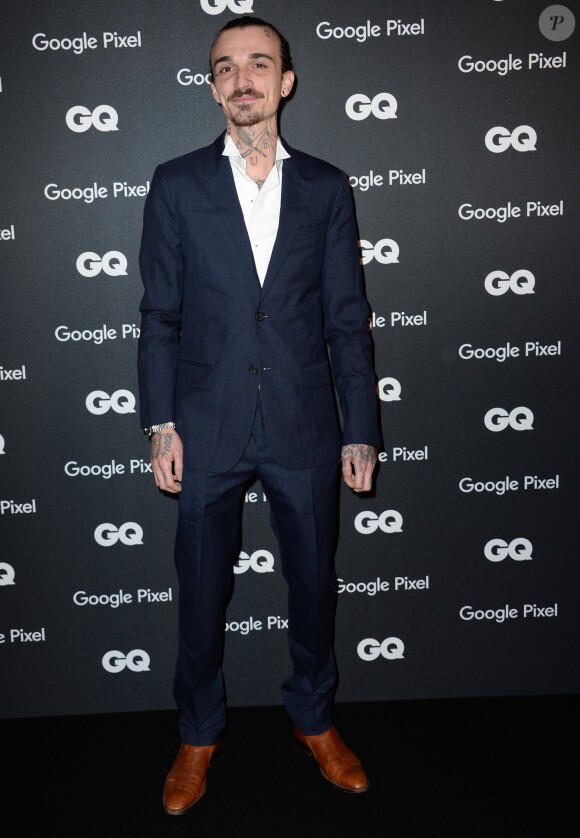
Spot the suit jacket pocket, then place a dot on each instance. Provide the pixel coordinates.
(317, 231)
(316, 375)
(194, 374)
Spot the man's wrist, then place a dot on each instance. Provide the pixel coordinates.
(155, 429)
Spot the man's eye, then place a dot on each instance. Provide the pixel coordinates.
(224, 70)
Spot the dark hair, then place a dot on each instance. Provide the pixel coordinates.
(250, 20)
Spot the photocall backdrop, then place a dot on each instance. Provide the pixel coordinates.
(457, 123)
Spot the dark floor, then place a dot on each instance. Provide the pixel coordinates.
(460, 767)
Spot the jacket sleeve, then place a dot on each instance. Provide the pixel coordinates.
(161, 266)
(346, 324)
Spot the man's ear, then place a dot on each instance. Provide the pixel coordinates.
(287, 82)
(214, 92)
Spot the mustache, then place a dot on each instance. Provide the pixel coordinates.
(245, 91)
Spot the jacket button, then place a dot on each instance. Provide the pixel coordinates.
(260, 315)
(253, 369)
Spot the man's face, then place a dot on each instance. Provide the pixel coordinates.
(247, 69)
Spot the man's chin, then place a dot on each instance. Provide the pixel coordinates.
(245, 119)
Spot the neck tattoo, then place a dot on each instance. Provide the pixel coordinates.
(257, 148)
(251, 144)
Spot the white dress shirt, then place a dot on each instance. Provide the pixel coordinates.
(260, 207)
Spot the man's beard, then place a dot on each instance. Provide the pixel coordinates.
(245, 117)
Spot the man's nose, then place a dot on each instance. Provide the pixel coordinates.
(243, 79)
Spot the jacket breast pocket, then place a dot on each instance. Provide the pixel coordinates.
(194, 374)
(316, 375)
(317, 231)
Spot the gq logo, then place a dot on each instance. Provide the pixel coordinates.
(385, 251)
(261, 561)
(129, 533)
(383, 106)
(238, 7)
(104, 118)
(499, 139)
(137, 661)
(113, 263)
(6, 574)
(520, 282)
(99, 402)
(520, 549)
(389, 390)
(392, 649)
(388, 521)
(520, 419)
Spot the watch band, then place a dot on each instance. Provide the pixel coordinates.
(155, 429)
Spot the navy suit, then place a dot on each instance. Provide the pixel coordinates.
(244, 371)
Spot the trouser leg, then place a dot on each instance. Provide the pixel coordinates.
(207, 544)
(304, 509)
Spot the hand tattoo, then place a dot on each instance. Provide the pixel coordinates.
(161, 445)
(359, 452)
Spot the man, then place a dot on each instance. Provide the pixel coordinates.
(252, 278)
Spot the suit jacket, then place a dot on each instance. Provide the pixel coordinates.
(212, 337)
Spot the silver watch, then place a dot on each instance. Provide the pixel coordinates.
(154, 429)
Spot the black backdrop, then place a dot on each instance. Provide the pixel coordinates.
(458, 124)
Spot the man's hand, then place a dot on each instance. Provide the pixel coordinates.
(167, 460)
(358, 462)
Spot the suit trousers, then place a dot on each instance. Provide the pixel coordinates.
(304, 518)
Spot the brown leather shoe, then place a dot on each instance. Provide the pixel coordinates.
(337, 762)
(186, 780)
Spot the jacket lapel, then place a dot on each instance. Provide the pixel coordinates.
(296, 192)
(222, 191)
